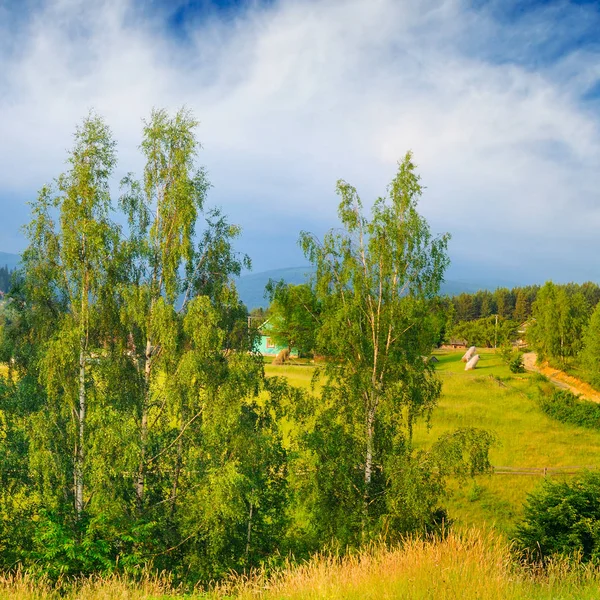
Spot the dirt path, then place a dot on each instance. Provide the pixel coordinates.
(560, 378)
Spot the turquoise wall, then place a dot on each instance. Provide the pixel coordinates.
(268, 348)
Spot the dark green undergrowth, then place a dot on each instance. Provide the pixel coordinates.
(566, 407)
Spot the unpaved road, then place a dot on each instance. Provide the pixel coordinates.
(560, 378)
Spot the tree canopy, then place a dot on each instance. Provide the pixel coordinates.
(137, 427)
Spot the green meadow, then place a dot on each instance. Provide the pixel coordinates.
(493, 398)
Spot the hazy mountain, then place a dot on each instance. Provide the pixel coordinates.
(252, 287)
(9, 260)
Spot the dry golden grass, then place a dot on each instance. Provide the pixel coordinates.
(469, 566)
(25, 587)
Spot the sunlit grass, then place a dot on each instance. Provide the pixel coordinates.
(298, 372)
(468, 566)
(472, 566)
(493, 398)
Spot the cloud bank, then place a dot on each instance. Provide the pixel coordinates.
(500, 110)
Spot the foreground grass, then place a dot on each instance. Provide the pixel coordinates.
(470, 566)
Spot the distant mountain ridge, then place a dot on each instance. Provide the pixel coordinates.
(251, 287)
(9, 260)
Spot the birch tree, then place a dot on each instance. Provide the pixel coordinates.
(376, 280)
(171, 264)
(67, 270)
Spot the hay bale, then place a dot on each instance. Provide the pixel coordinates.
(282, 357)
(468, 354)
(472, 363)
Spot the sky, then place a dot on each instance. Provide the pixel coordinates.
(499, 101)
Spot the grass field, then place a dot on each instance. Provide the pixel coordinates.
(493, 398)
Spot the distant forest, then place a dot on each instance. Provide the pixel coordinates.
(515, 304)
(5, 277)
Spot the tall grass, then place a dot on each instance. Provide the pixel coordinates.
(22, 586)
(469, 566)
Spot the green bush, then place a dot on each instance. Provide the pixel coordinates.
(562, 518)
(513, 358)
(515, 364)
(565, 407)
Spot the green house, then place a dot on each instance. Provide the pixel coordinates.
(267, 345)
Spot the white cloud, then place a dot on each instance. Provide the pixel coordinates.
(294, 96)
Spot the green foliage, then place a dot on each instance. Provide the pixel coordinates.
(590, 355)
(516, 364)
(512, 358)
(515, 304)
(293, 316)
(563, 518)
(560, 316)
(139, 428)
(6, 276)
(376, 282)
(565, 407)
(489, 332)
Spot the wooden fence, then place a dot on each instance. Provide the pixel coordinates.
(543, 471)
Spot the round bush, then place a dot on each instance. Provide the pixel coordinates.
(563, 518)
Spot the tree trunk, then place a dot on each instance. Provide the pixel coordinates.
(79, 448)
(370, 420)
(249, 533)
(140, 483)
(177, 470)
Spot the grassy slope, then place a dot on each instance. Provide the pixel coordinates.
(493, 398)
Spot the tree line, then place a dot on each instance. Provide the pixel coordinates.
(137, 427)
(565, 330)
(5, 278)
(514, 304)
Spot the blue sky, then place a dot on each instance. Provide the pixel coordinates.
(499, 101)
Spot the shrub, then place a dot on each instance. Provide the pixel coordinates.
(565, 407)
(562, 518)
(513, 358)
(516, 364)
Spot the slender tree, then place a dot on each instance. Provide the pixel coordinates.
(590, 355)
(162, 212)
(376, 280)
(68, 264)
(293, 315)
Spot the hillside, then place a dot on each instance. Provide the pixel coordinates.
(529, 443)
